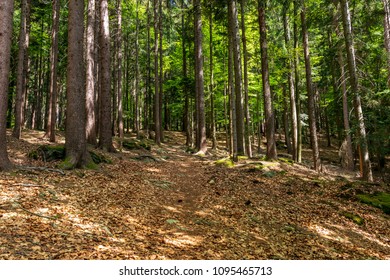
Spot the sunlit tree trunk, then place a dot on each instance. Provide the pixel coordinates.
(21, 80)
(365, 164)
(157, 120)
(235, 37)
(291, 85)
(387, 36)
(297, 80)
(310, 92)
(120, 72)
(90, 73)
(201, 144)
(271, 153)
(211, 86)
(6, 15)
(248, 145)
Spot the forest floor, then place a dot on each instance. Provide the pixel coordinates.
(167, 203)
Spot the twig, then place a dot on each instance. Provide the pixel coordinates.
(28, 185)
(41, 169)
(35, 214)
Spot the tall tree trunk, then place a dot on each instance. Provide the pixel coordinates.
(105, 130)
(232, 103)
(186, 122)
(6, 15)
(21, 80)
(90, 74)
(235, 37)
(387, 36)
(157, 120)
(201, 144)
(310, 92)
(248, 145)
(161, 65)
(271, 153)
(52, 114)
(365, 164)
(137, 103)
(211, 86)
(120, 72)
(75, 135)
(148, 101)
(297, 79)
(348, 161)
(291, 85)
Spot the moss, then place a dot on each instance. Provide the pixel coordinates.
(48, 153)
(91, 165)
(66, 164)
(286, 160)
(99, 158)
(227, 162)
(242, 157)
(136, 145)
(378, 200)
(355, 218)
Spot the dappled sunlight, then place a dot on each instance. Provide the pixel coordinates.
(328, 233)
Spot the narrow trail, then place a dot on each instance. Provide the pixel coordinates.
(175, 205)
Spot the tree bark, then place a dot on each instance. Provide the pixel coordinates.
(387, 36)
(52, 114)
(211, 86)
(157, 120)
(21, 80)
(235, 37)
(75, 135)
(90, 74)
(120, 72)
(201, 144)
(310, 92)
(271, 153)
(291, 85)
(248, 145)
(6, 15)
(365, 164)
(105, 130)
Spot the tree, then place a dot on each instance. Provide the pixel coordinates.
(310, 92)
(6, 14)
(386, 27)
(22, 67)
(105, 129)
(201, 144)
(235, 43)
(271, 153)
(52, 113)
(364, 159)
(90, 73)
(75, 135)
(157, 119)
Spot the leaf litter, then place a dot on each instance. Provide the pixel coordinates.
(183, 207)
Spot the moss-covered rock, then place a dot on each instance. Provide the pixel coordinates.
(48, 153)
(379, 200)
(227, 162)
(354, 217)
(136, 145)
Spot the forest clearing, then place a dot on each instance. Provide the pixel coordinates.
(167, 203)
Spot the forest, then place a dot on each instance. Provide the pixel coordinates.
(179, 129)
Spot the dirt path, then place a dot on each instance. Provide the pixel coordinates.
(174, 205)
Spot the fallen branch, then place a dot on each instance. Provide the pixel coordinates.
(32, 213)
(41, 169)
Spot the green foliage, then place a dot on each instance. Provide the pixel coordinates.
(226, 162)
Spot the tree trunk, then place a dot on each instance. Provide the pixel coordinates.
(291, 85)
(157, 120)
(105, 130)
(201, 144)
(137, 103)
(21, 80)
(310, 92)
(365, 164)
(387, 36)
(297, 79)
(161, 65)
(52, 114)
(248, 145)
(75, 134)
(6, 15)
(120, 72)
(268, 107)
(211, 86)
(235, 37)
(90, 74)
